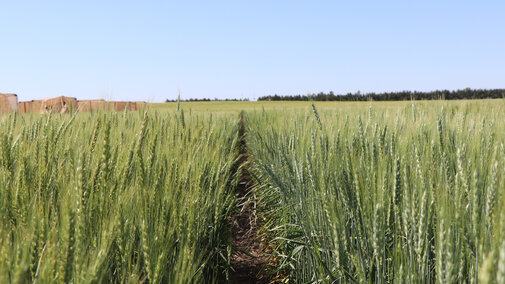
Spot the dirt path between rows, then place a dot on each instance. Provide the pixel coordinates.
(248, 259)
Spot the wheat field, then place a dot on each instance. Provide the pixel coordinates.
(115, 197)
(403, 192)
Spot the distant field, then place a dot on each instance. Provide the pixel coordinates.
(232, 106)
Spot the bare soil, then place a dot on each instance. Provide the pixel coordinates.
(248, 260)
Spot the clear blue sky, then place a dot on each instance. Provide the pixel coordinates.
(147, 50)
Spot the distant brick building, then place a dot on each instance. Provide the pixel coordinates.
(59, 104)
(8, 103)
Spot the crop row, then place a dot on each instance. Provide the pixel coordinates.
(384, 193)
(115, 197)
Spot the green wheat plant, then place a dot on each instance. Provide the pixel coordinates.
(115, 197)
(382, 193)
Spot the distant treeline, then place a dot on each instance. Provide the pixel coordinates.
(209, 100)
(394, 96)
